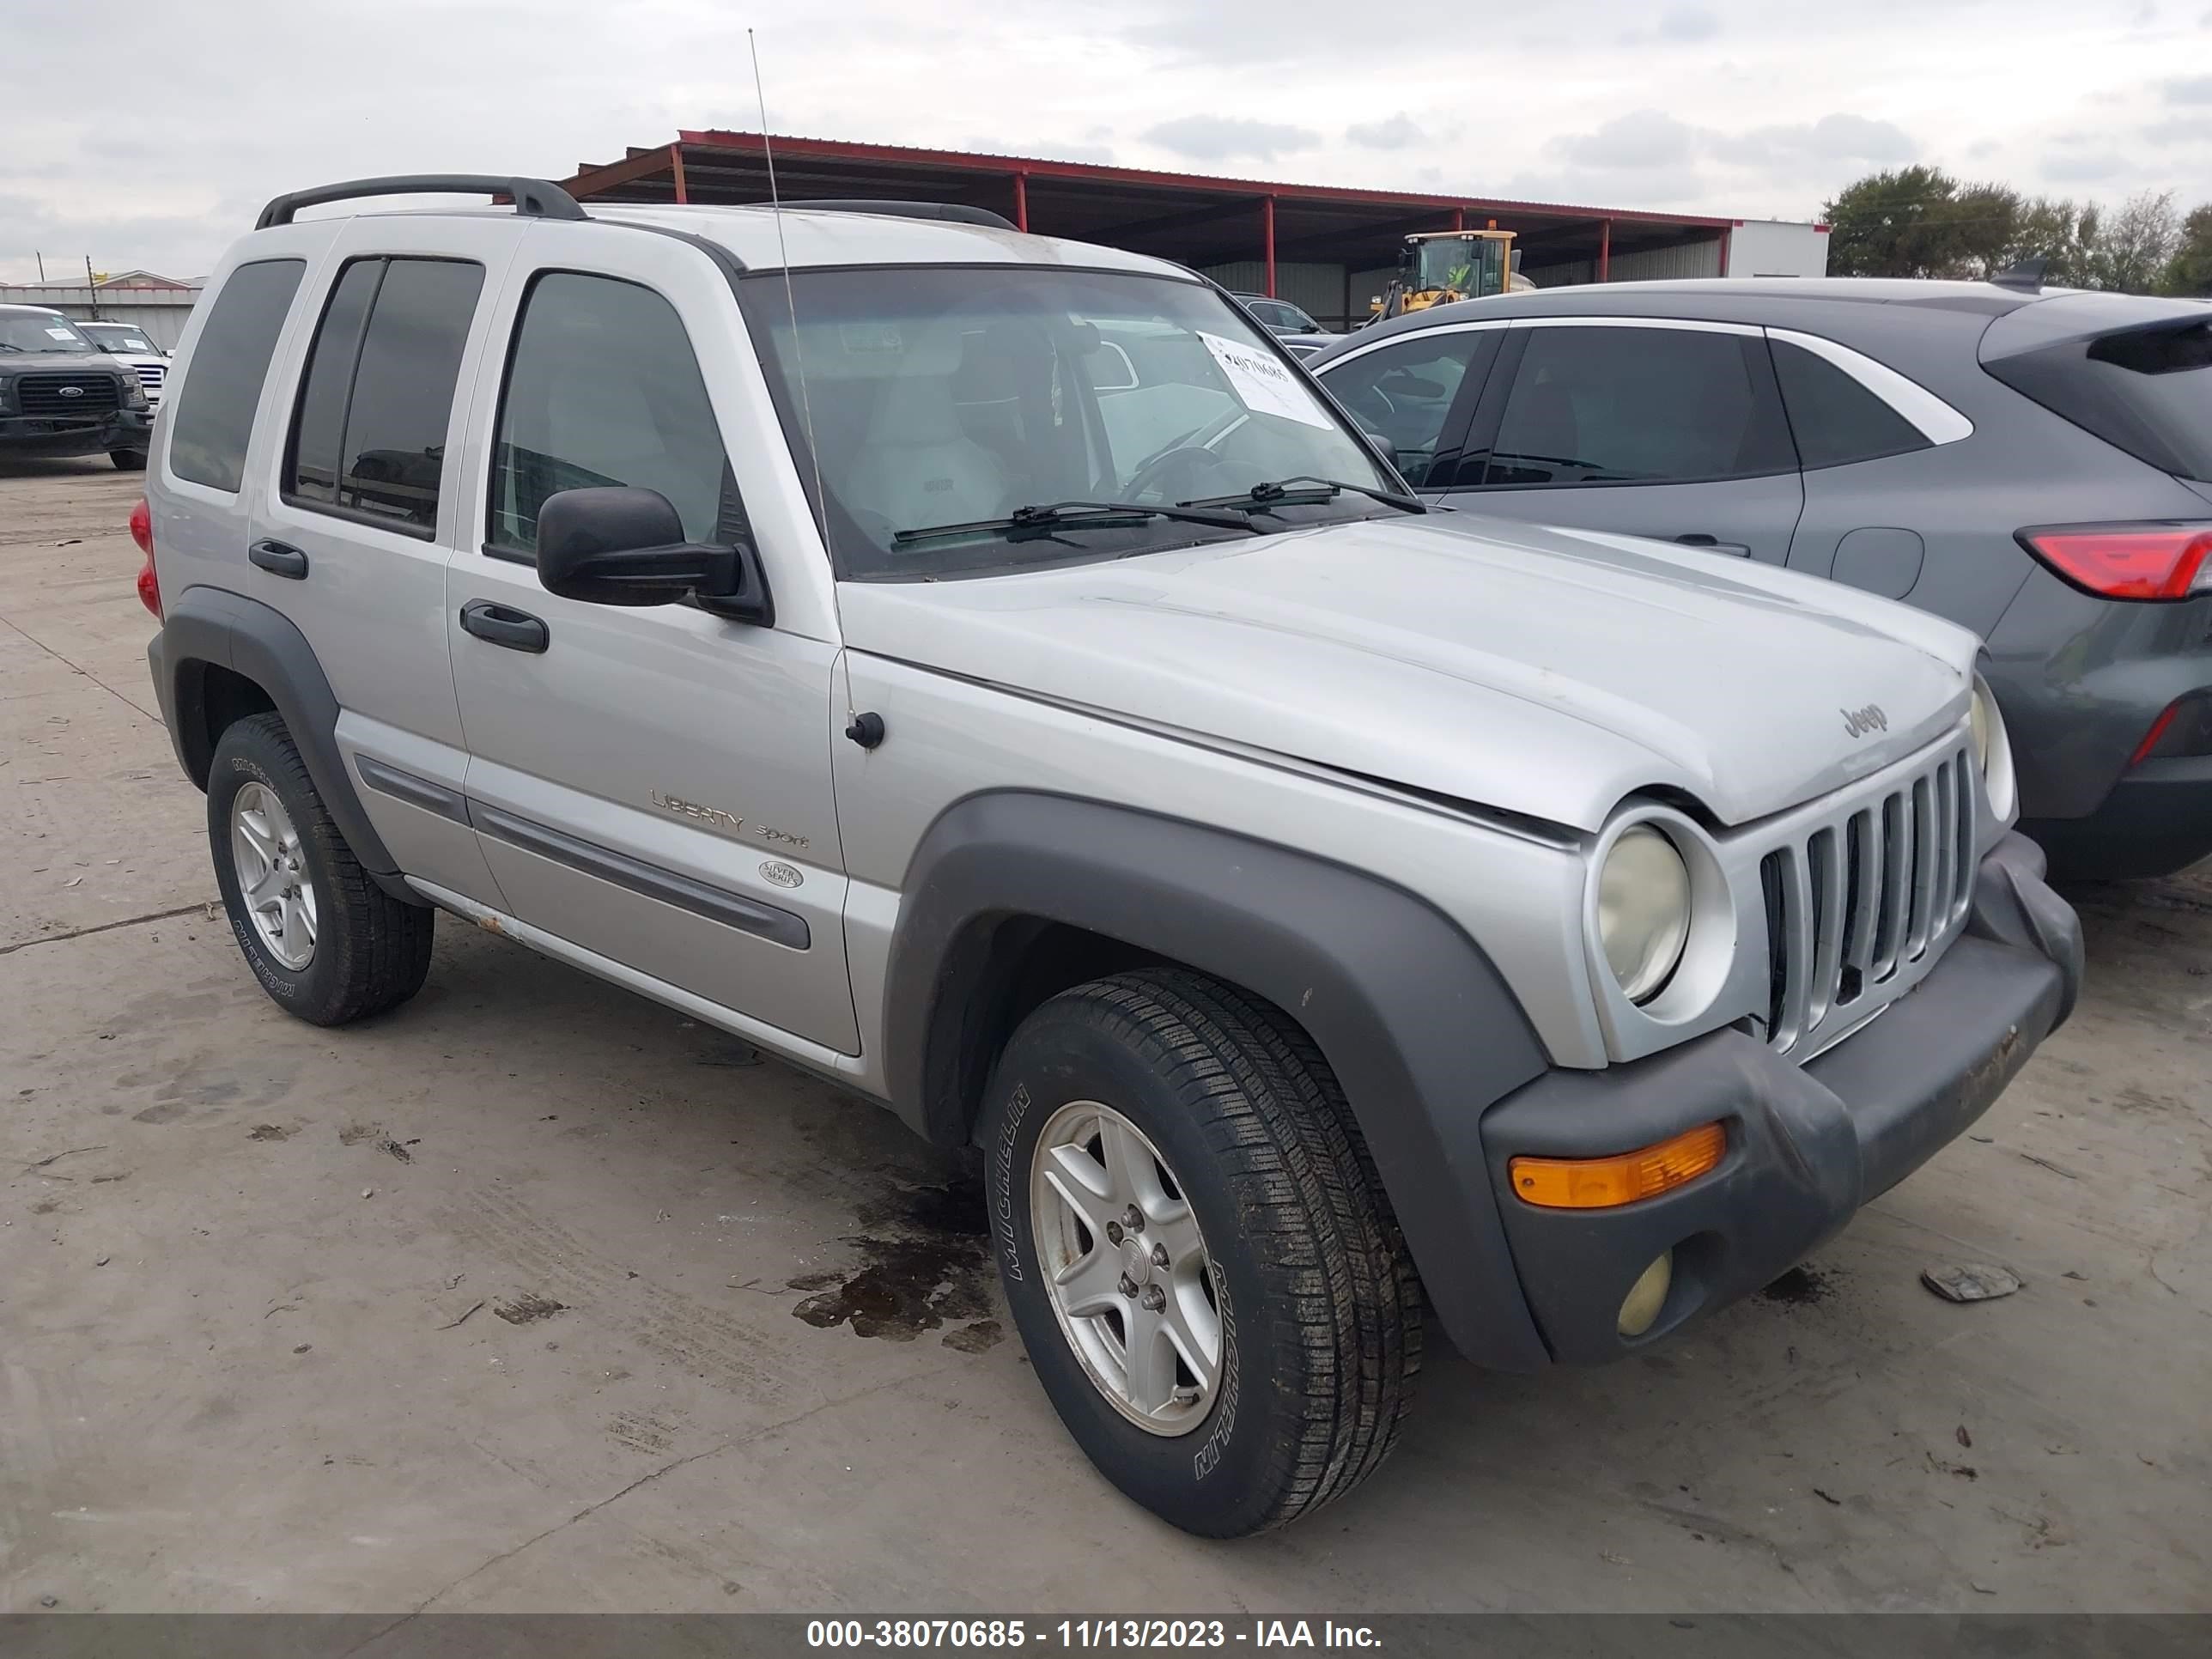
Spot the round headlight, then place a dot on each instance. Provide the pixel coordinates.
(1642, 910)
(1982, 721)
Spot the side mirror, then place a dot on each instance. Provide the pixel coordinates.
(624, 545)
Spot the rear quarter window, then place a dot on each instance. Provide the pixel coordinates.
(211, 418)
(1835, 420)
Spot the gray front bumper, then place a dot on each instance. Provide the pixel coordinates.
(1807, 1145)
(123, 428)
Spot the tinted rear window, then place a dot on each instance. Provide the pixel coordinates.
(2146, 391)
(314, 475)
(370, 439)
(1834, 419)
(1595, 405)
(212, 417)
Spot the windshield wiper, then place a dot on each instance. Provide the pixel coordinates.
(1039, 521)
(1304, 490)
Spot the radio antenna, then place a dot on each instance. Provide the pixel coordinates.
(790, 299)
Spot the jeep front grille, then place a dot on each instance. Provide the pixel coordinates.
(88, 394)
(1855, 900)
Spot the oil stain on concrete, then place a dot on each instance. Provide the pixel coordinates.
(925, 1264)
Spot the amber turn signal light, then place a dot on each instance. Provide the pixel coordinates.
(1600, 1183)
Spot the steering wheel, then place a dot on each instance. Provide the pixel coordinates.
(1375, 396)
(1191, 447)
(1149, 475)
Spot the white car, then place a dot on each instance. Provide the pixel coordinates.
(130, 345)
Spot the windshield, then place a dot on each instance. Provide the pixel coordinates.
(120, 337)
(950, 396)
(1464, 265)
(40, 332)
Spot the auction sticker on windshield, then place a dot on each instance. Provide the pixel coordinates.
(1266, 387)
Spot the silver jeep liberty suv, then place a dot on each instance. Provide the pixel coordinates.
(987, 671)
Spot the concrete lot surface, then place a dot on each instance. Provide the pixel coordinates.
(536, 1295)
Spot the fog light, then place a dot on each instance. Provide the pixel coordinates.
(1646, 1297)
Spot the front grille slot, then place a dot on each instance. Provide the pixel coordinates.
(1852, 902)
(83, 395)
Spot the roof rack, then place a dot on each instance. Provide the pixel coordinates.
(2027, 275)
(958, 213)
(533, 198)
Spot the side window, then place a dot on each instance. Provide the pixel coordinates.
(212, 418)
(1404, 393)
(1834, 419)
(369, 437)
(1638, 405)
(319, 428)
(601, 388)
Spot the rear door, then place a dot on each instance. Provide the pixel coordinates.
(1880, 492)
(351, 539)
(1417, 391)
(1670, 429)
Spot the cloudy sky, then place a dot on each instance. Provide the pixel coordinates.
(147, 132)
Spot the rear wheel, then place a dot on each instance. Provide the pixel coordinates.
(1198, 1252)
(128, 461)
(325, 940)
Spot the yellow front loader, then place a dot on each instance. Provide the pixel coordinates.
(1436, 267)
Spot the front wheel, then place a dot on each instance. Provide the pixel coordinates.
(1197, 1250)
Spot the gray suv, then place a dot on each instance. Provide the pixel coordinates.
(1315, 913)
(2036, 466)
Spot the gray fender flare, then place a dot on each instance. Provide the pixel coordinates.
(1417, 1025)
(210, 625)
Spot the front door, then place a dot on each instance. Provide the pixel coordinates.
(1672, 430)
(651, 784)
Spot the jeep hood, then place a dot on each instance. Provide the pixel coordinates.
(1532, 670)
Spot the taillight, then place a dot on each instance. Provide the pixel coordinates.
(141, 531)
(2128, 560)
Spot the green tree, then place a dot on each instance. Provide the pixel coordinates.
(1893, 223)
(1983, 225)
(2189, 270)
(1921, 221)
(2057, 230)
(2132, 249)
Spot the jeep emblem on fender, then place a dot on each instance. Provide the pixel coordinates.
(1860, 721)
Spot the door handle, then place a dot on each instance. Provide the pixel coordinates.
(517, 630)
(279, 559)
(1713, 544)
